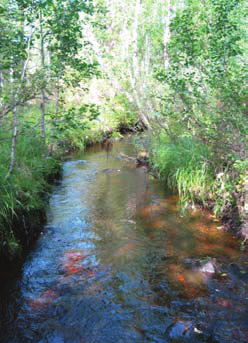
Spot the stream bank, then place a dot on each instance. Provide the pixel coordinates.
(25, 225)
(201, 178)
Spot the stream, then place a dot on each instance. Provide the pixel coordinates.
(119, 263)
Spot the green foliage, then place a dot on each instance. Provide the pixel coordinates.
(24, 191)
(187, 166)
(207, 75)
(205, 99)
(184, 165)
(69, 126)
(124, 113)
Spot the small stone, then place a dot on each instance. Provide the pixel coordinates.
(131, 221)
(207, 268)
(180, 329)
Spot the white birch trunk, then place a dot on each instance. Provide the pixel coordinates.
(43, 97)
(135, 40)
(15, 131)
(167, 34)
(96, 47)
(13, 145)
(135, 76)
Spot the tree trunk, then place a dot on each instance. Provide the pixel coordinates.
(57, 100)
(1, 79)
(42, 109)
(13, 145)
(135, 74)
(96, 48)
(43, 96)
(135, 40)
(166, 37)
(15, 101)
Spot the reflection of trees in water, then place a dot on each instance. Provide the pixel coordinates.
(179, 240)
(107, 145)
(141, 231)
(116, 199)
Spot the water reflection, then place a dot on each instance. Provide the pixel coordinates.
(118, 263)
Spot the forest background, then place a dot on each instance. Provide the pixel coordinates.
(73, 72)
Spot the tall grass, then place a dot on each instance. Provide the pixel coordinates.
(23, 191)
(185, 166)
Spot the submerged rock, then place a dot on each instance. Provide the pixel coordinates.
(143, 158)
(204, 266)
(181, 329)
(123, 156)
(110, 170)
(208, 267)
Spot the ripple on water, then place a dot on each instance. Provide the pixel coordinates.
(118, 264)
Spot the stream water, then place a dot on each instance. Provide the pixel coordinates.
(118, 263)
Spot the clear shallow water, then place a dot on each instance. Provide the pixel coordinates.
(117, 263)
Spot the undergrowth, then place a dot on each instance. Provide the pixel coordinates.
(24, 191)
(188, 166)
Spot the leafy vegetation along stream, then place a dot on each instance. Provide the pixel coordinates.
(117, 263)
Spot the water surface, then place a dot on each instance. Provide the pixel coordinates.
(118, 263)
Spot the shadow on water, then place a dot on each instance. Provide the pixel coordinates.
(117, 263)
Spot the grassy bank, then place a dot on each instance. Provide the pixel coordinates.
(190, 167)
(22, 195)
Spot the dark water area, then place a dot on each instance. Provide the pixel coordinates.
(118, 263)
